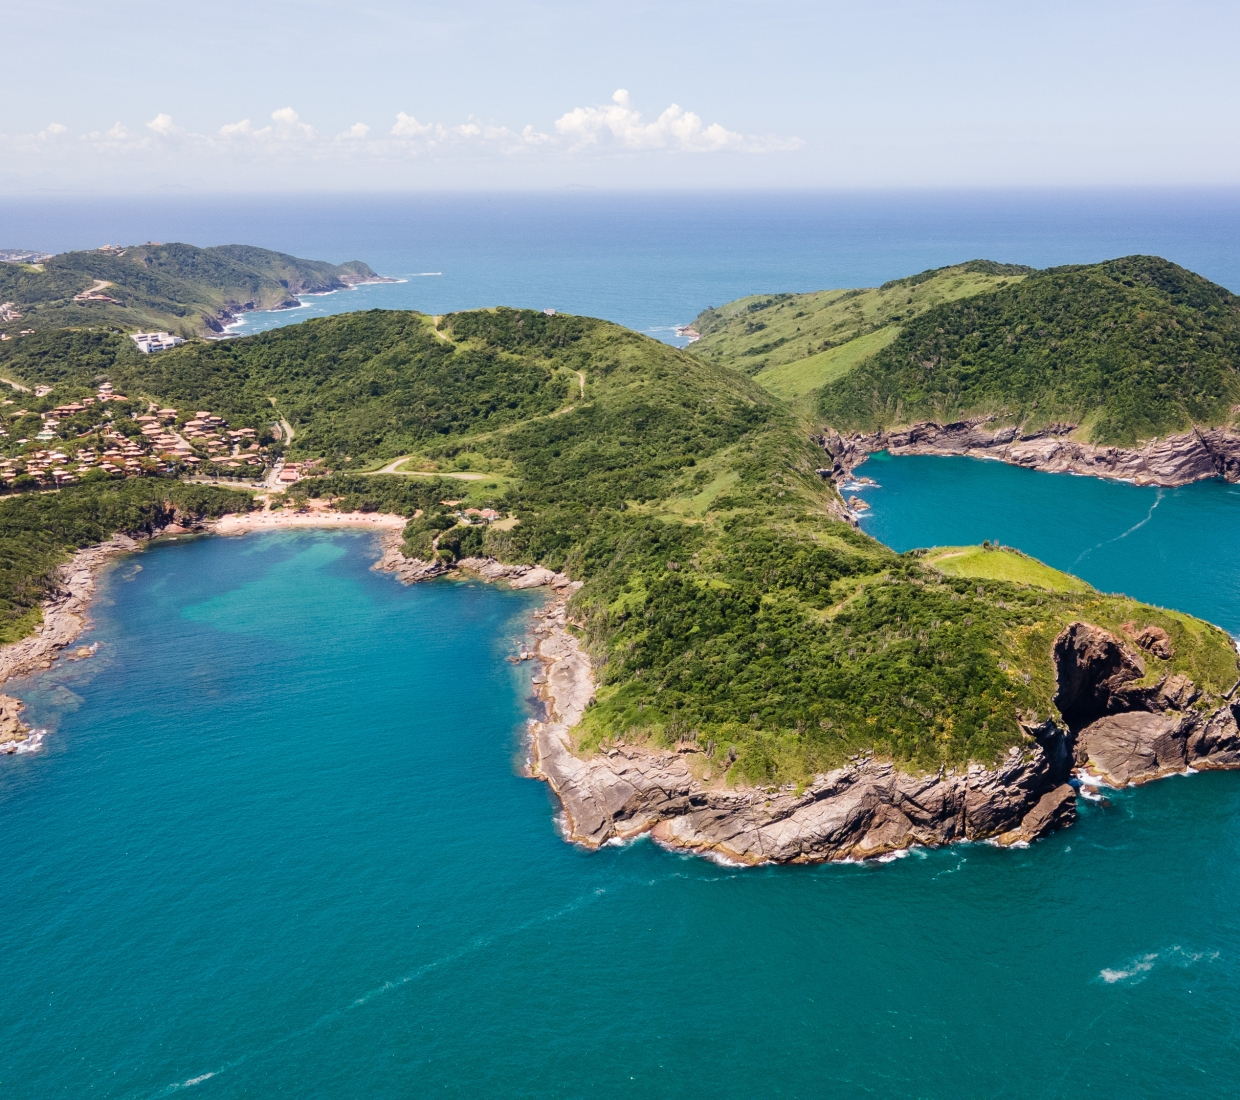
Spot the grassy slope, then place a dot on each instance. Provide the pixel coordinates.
(176, 287)
(803, 376)
(765, 332)
(1127, 349)
(984, 563)
(722, 600)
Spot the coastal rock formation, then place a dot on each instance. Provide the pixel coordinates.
(13, 731)
(66, 612)
(866, 809)
(1173, 460)
(1124, 733)
(1117, 732)
(413, 570)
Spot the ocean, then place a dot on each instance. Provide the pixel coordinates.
(277, 840)
(650, 262)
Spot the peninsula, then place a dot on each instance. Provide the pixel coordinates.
(1126, 369)
(177, 287)
(729, 663)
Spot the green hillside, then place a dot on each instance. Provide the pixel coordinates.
(175, 287)
(723, 599)
(1128, 349)
(805, 333)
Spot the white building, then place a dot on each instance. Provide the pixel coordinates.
(155, 341)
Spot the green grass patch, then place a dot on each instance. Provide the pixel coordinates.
(801, 376)
(985, 563)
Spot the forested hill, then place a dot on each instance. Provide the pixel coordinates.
(723, 601)
(176, 287)
(794, 343)
(1127, 350)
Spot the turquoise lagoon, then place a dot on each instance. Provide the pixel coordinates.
(278, 843)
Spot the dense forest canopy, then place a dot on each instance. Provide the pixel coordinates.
(1127, 350)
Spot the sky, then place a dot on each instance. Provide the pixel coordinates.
(132, 96)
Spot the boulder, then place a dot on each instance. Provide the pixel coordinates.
(1155, 640)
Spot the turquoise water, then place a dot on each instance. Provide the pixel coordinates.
(1176, 548)
(277, 844)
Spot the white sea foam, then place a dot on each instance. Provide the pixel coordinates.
(1136, 970)
(1136, 526)
(1140, 966)
(30, 743)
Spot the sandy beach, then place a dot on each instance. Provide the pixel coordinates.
(242, 523)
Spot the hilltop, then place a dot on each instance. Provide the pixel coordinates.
(175, 287)
(795, 343)
(727, 603)
(1121, 351)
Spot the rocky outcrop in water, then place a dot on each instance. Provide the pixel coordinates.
(1172, 460)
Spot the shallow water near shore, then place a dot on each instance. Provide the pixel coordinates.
(277, 843)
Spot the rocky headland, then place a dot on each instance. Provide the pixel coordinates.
(1113, 734)
(1172, 460)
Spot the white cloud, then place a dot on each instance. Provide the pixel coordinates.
(288, 124)
(615, 127)
(620, 124)
(162, 125)
(406, 126)
(244, 128)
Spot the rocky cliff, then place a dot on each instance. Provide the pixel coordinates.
(1113, 731)
(1172, 460)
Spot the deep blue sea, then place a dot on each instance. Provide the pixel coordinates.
(277, 841)
(650, 262)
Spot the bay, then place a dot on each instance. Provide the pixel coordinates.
(1177, 548)
(278, 843)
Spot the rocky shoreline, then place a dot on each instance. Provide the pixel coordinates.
(1117, 736)
(1170, 461)
(1114, 733)
(65, 615)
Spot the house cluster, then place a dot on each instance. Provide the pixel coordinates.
(478, 515)
(224, 447)
(206, 438)
(155, 341)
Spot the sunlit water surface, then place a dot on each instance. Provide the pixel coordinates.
(277, 843)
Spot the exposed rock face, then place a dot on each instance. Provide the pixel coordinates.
(1092, 669)
(863, 810)
(1128, 734)
(1173, 460)
(1117, 732)
(65, 613)
(1155, 640)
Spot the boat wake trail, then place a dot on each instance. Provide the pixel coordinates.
(470, 948)
(1136, 526)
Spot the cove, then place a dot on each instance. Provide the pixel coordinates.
(1176, 548)
(278, 843)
